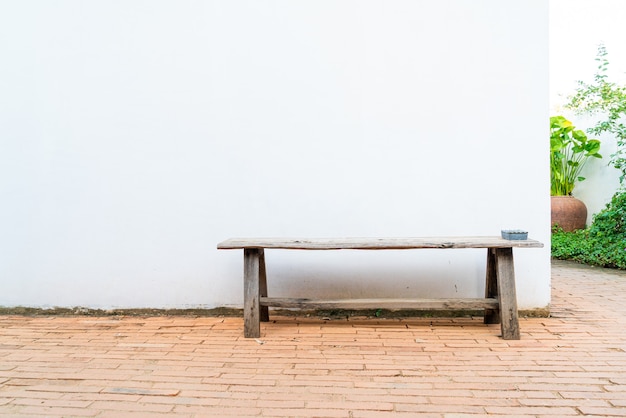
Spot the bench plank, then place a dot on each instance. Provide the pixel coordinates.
(390, 304)
(375, 243)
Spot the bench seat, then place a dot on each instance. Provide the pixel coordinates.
(375, 243)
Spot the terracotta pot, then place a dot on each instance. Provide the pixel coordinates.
(568, 212)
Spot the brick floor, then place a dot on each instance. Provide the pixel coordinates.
(572, 364)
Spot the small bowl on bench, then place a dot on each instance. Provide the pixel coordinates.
(514, 234)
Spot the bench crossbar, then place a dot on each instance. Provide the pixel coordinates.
(389, 304)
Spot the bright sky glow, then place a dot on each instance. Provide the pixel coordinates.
(577, 27)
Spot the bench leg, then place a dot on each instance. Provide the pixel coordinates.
(492, 316)
(506, 294)
(264, 310)
(251, 293)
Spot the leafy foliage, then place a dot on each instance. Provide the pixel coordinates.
(569, 151)
(608, 101)
(570, 245)
(602, 244)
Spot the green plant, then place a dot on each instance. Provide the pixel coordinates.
(571, 245)
(610, 222)
(569, 151)
(607, 100)
(602, 244)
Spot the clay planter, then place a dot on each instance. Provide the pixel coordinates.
(568, 212)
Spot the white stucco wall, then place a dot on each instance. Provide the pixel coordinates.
(136, 135)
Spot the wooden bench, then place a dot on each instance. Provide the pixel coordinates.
(499, 304)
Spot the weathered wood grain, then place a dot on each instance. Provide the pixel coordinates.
(390, 304)
(264, 314)
(492, 316)
(375, 243)
(509, 321)
(500, 302)
(251, 313)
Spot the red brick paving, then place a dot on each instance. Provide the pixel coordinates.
(572, 364)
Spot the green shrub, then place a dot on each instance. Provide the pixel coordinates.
(569, 245)
(601, 244)
(611, 221)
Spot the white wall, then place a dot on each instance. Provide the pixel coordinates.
(136, 135)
